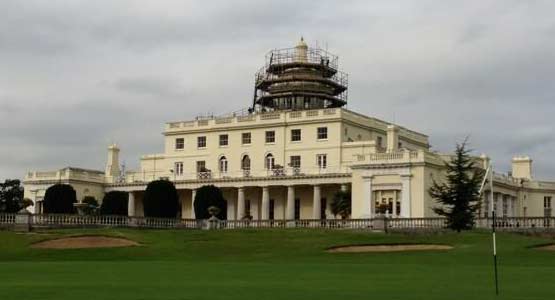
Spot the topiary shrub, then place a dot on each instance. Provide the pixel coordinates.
(161, 200)
(210, 196)
(115, 203)
(59, 199)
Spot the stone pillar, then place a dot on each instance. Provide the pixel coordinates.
(509, 206)
(316, 203)
(22, 221)
(486, 211)
(265, 211)
(240, 203)
(290, 208)
(405, 196)
(515, 207)
(367, 201)
(231, 209)
(499, 212)
(131, 204)
(193, 195)
(394, 207)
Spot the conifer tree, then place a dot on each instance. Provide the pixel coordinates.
(459, 194)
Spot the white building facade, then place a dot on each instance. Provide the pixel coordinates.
(288, 155)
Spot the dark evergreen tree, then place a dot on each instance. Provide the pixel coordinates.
(206, 197)
(459, 194)
(115, 203)
(161, 199)
(59, 199)
(11, 196)
(341, 204)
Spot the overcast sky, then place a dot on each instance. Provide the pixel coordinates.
(76, 76)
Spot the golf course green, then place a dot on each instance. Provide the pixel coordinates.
(273, 264)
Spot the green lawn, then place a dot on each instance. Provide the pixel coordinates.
(276, 264)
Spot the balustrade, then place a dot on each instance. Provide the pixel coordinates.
(66, 220)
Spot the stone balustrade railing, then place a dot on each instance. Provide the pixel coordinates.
(276, 172)
(380, 223)
(66, 174)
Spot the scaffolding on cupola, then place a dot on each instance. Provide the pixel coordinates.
(300, 78)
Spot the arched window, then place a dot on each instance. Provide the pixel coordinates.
(223, 164)
(246, 163)
(269, 163)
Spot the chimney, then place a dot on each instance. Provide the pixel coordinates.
(522, 167)
(392, 138)
(112, 164)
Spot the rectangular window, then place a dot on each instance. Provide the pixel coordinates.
(201, 142)
(322, 161)
(178, 168)
(297, 209)
(379, 141)
(295, 135)
(201, 166)
(246, 138)
(224, 139)
(270, 136)
(322, 133)
(271, 212)
(547, 202)
(295, 161)
(179, 143)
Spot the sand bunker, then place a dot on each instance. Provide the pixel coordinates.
(547, 247)
(388, 248)
(81, 242)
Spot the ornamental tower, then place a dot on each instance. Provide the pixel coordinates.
(300, 78)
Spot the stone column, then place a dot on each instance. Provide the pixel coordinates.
(367, 200)
(515, 207)
(405, 196)
(290, 208)
(131, 204)
(486, 209)
(240, 203)
(500, 205)
(265, 211)
(509, 206)
(316, 203)
(394, 207)
(193, 195)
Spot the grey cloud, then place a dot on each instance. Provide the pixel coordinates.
(78, 75)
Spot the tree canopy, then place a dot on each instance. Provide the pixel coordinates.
(459, 194)
(59, 199)
(115, 203)
(341, 204)
(11, 196)
(161, 199)
(209, 196)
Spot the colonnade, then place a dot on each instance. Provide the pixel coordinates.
(240, 207)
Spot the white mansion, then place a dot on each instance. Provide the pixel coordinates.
(292, 151)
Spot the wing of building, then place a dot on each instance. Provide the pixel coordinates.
(288, 154)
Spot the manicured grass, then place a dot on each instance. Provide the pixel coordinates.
(272, 264)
